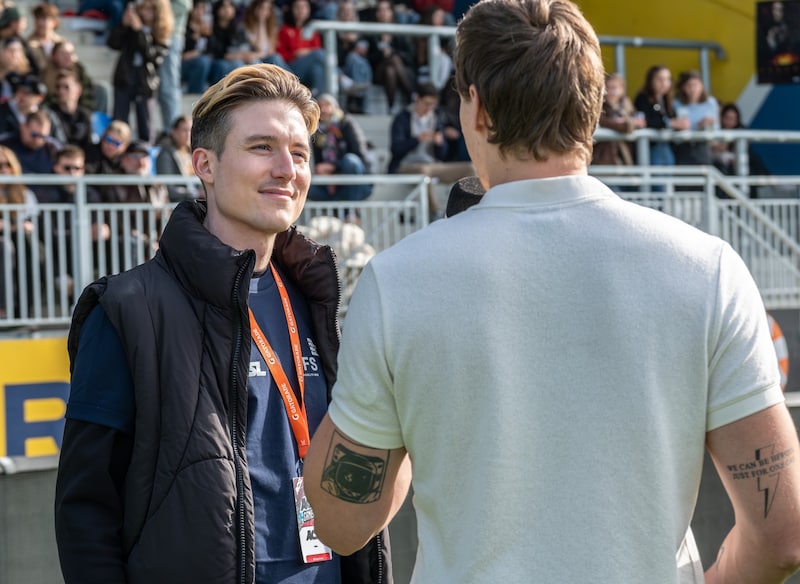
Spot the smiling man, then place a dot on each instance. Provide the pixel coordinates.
(199, 377)
(554, 361)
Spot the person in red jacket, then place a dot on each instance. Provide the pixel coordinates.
(305, 56)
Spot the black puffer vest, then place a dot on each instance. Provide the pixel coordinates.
(182, 319)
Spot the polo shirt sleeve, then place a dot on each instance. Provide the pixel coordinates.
(101, 389)
(743, 370)
(363, 402)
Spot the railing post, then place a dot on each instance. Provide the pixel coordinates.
(434, 56)
(643, 159)
(710, 212)
(619, 59)
(331, 64)
(85, 268)
(705, 68)
(742, 161)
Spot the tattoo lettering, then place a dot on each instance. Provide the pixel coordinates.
(350, 475)
(766, 468)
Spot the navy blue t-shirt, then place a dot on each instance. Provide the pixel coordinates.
(102, 393)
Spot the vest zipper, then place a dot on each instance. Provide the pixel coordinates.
(237, 460)
(379, 545)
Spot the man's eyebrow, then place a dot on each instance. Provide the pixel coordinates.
(269, 138)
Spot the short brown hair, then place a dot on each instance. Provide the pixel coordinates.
(47, 10)
(680, 87)
(537, 68)
(251, 83)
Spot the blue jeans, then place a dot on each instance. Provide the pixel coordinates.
(221, 67)
(195, 73)
(349, 164)
(661, 154)
(310, 69)
(276, 59)
(169, 92)
(358, 69)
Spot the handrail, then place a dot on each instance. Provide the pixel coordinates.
(329, 28)
(741, 138)
(703, 47)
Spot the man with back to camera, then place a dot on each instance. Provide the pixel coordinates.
(199, 376)
(567, 357)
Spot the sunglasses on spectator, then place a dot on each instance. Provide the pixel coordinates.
(112, 141)
(37, 135)
(71, 168)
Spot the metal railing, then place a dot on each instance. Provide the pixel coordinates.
(740, 138)
(330, 28)
(46, 261)
(48, 254)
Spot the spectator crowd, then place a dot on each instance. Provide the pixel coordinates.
(55, 118)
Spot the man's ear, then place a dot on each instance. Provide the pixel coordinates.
(479, 119)
(204, 162)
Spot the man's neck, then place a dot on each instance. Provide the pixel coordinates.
(233, 236)
(513, 169)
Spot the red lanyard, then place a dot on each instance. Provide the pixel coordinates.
(297, 415)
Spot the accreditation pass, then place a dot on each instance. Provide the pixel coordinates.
(312, 549)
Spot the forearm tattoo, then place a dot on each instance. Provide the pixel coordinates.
(766, 467)
(350, 475)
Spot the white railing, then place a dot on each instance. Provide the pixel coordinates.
(740, 138)
(45, 262)
(47, 258)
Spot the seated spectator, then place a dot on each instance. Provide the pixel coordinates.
(142, 40)
(355, 72)
(222, 44)
(654, 100)
(70, 161)
(701, 110)
(258, 33)
(305, 56)
(175, 157)
(72, 123)
(44, 36)
(723, 154)
(139, 241)
(18, 194)
(34, 147)
(64, 58)
(136, 160)
(390, 58)
(27, 97)
(446, 7)
(438, 68)
(13, 65)
(419, 143)
(618, 115)
(339, 147)
(195, 60)
(13, 25)
(104, 157)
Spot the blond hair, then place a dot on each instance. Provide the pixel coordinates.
(251, 83)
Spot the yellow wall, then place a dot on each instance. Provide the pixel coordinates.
(34, 386)
(731, 23)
